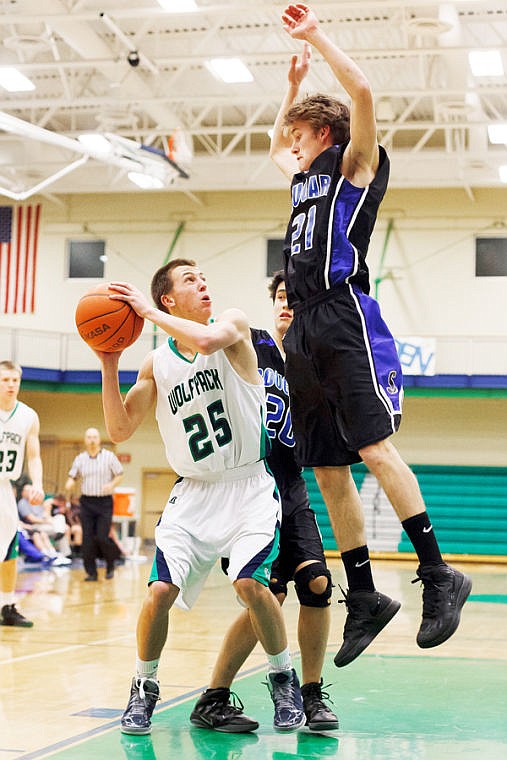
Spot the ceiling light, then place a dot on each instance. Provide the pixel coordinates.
(178, 6)
(13, 80)
(486, 63)
(145, 181)
(502, 171)
(230, 70)
(497, 134)
(95, 143)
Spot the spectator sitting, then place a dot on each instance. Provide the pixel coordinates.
(38, 538)
(56, 511)
(35, 546)
(28, 549)
(39, 519)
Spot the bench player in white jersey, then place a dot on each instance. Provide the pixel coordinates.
(210, 407)
(19, 434)
(344, 376)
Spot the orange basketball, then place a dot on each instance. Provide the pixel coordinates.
(107, 324)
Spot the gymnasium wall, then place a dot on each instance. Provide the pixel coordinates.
(456, 431)
(431, 290)
(429, 255)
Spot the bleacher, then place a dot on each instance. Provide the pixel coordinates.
(467, 505)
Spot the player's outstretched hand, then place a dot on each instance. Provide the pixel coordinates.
(299, 21)
(299, 66)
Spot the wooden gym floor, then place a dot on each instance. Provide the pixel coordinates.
(64, 683)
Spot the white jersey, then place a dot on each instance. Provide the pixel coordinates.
(14, 427)
(210, 419)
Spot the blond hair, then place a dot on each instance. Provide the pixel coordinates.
(321, 111)
(7, 366)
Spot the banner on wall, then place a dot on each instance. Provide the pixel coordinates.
(19, 239)
(417, 355)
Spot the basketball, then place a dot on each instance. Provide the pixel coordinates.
(107, 324)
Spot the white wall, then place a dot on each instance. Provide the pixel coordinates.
(431, 250)
(430, 253)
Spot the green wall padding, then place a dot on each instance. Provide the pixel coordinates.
(467, 506)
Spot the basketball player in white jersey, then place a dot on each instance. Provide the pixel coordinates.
(19, 433)
(210, 409)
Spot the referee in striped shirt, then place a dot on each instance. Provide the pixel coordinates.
(100, 472)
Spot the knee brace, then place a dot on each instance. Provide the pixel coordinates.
(302, 580)
(277, 586)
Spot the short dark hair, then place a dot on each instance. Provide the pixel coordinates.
(321, 111)
(277, 278)
(162, 281)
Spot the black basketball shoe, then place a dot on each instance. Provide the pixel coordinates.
(445, 591)
(367, 613)
(10, 616)
(318, 715)
(221, 710)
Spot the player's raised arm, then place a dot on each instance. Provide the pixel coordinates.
(280, 151)
(123, 417)
(360, 160)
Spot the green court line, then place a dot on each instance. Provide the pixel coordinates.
(489, 598)
(53, 387)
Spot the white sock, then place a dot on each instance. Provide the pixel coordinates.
(281, 661)
(7, 597)
(147, 669)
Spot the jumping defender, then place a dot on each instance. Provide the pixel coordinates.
(344, 377)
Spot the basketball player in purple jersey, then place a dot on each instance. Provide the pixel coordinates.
(342, 367)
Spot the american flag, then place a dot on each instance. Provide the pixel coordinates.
(19, 233)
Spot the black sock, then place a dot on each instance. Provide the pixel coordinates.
(420, 531)
(358, 569)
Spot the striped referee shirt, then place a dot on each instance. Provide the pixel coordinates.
(95, 471)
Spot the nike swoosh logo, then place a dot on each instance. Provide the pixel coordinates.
(361, 564)
(428, 530)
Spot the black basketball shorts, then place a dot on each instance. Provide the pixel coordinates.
(300, 538)
(344, 376)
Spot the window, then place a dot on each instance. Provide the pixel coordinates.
(86, 258)
(491, 257)
(274, 258)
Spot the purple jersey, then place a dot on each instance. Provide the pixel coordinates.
(330, 227)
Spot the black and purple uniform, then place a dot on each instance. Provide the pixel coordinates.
(300, 538)
(342, 367)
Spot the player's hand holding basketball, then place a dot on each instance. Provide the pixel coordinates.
(106, 323)
(133, 296)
